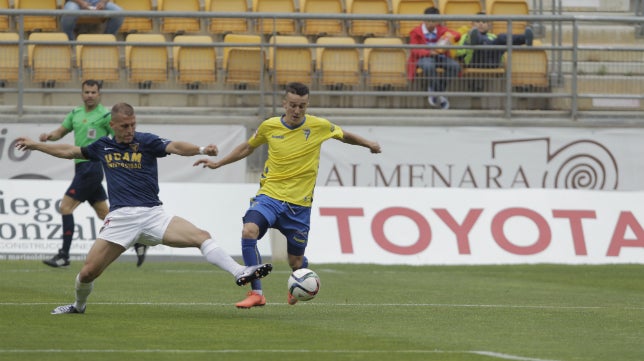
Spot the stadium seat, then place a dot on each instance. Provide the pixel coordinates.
(9, 58)
(507, 7)
(409, 7)
(243, 65)
(98, 62)
(194, 64)
(134, 24)
(227, 25)
(368, 28)
(50, 62)
(322, 27)
(337, 67)
(5, 24)
(385, 67)
(172, 25)
(38, 23)
(146, 64)
(278, 26)
(460, 7)
(289, 64)
(529, 68)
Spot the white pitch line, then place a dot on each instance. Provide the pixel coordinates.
(324, 304)
(502, 356)
(506, 356)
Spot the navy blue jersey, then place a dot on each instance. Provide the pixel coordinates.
(130, 169)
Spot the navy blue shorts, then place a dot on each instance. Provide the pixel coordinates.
(86, 185)
(290, 219)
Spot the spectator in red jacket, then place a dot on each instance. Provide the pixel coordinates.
(432, 33)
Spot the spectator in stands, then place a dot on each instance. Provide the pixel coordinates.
(89, 122)
(68, 22)
(129, 158)
(431, 32)
(284, 199)
(480, 35)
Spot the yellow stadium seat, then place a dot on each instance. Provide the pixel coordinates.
(98, 62)
(50, 62)
(5, 25)
(507, 7)
(529, 67)
(243, 65)
(368, 27)
(194, 64)
(289, 64)
(9, 58)
(337, 66)
(385, 67)
(409, 7)
(460, 7)
(38, 23)
(172, 25)
(227, 25)
(135, 24)
(146, 64)
(278, 26)
(322, 27)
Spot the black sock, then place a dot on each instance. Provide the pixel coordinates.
(68, 233)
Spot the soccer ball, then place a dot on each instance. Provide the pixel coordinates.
(303, 284)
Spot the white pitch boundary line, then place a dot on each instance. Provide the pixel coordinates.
(482, 353)
(323, 304)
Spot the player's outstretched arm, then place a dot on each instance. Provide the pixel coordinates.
(66, 151)
(240, 152)
(354, 139)
(188, 149)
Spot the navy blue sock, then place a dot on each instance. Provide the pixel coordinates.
(305, 262)
(251, 256)
(68, 233)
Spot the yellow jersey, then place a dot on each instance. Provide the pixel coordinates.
(291, 170)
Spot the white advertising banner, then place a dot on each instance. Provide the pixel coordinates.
(30, 221)
(15, 164)
(422, 226)
(416, 226)
(488, 158)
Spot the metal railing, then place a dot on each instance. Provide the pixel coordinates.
(574, 66)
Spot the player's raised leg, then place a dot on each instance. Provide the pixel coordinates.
(181, 233)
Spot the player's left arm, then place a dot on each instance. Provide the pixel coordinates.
(354, 139)
(188, 149)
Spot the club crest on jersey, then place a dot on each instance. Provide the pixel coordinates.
(307, 133)
(134, 147)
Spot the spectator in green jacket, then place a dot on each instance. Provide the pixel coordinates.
(480, 35)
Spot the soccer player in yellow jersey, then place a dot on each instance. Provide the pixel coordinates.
(285, 195)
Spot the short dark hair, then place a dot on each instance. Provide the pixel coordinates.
(92, 82)
(432, 10)
(297, 88)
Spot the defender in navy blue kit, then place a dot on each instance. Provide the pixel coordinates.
(88, 122)
(129, 160)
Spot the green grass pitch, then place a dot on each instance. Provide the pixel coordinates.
(185, 311)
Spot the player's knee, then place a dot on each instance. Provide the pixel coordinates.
(250, 231)
(64, 209)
